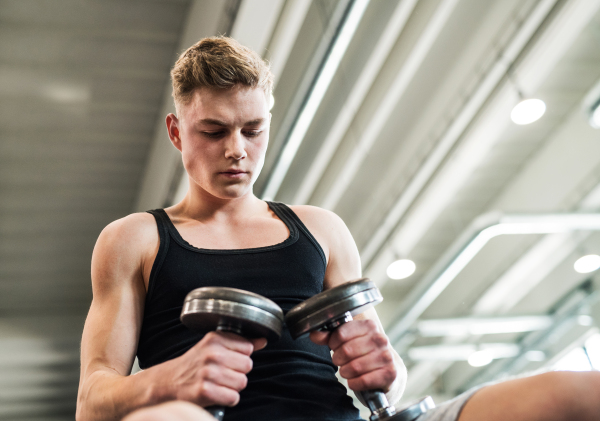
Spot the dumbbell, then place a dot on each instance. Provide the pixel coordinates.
(231, 310)
(336, 306)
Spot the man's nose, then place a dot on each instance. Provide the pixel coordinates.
(234, 147)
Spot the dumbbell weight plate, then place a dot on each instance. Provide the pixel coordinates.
(413, 411)
(253, 315)
(353, 297)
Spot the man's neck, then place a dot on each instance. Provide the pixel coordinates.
(205, 207)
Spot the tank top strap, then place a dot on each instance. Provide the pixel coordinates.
(162, 223)
(289, 216)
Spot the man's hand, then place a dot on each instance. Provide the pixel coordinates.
(363, 353)
(213, 372)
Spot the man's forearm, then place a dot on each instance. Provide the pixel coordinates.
(106, 395)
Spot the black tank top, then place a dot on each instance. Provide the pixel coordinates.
(290, 379)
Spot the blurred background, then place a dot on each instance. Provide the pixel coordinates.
(458, 140)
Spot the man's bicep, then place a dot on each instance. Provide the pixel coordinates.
(344, 260)
(112, 327)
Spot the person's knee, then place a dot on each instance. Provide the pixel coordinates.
(170, 411)
(572, 395)
(552, 396)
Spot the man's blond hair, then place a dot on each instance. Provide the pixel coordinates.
(221, 63)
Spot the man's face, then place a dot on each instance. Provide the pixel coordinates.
(223, 136)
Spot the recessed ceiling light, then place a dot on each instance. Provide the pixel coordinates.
(587, 264)
(595, 116)
(534, 355)
(528, 111)
(401, 269)
(585, 320)
(480, 358)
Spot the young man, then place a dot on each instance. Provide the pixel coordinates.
(220, 234)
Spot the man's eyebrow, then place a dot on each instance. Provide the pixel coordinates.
(255, 122)
(214, 122)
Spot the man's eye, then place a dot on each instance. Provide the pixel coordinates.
(214, 134)
(253, 133)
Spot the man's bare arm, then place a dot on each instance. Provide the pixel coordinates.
(361, 350)
(211, 372)
(112, 327)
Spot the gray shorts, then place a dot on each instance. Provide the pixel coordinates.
(449, 410)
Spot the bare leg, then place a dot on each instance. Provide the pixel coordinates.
(170, 411)
(555, 396)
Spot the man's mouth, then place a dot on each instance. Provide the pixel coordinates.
(233, 173)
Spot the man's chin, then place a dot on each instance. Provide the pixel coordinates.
(233, 192)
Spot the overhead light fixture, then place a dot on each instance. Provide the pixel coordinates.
(591, 106)
(527, 111)
(482, 325)
(480, 358)
(535, 355)
(304, 120)
(585, 320)
(587, 264)
(401, 269)
(595, 115)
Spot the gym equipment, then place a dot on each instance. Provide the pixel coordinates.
(336, 306)
(231, 310)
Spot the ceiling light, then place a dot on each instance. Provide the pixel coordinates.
(535, 356)
(528, 111)
(401, 269)
(595, 115)
(480, 358)
(587, 264)
(585, 320)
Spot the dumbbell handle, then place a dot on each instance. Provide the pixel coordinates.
(375, 399)
(218, 411)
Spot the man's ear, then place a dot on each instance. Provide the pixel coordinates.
(173, 130)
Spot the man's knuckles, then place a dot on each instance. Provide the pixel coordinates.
(227, 340)
(208, 393)
(380, 339)
(356, 329)
(378, 379)
(367, 363)
(320, 337)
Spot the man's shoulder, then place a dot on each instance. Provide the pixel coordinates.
(318, 217)
(132, 233)
(131, 226)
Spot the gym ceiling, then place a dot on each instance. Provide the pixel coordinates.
(393, 114)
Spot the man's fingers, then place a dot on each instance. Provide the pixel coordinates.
(351, 330)
(223, 357)
(378, 379)
(368, 363)
(226, 377)
(215, 394)
(320, 337)
(259, 343)
(228, 340)
(352, 349)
